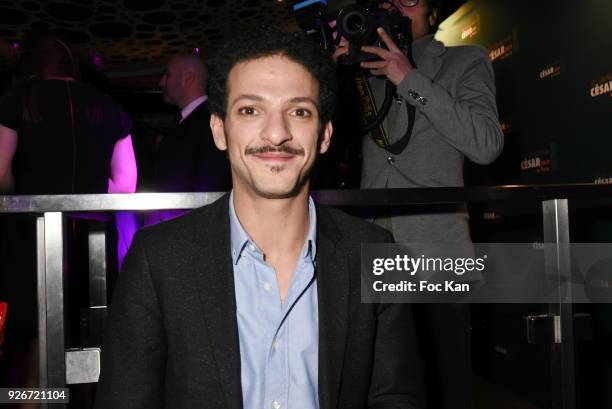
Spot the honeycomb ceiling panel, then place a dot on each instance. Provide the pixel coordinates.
(124, 35)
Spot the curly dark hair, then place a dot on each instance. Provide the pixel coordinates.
(265, 42)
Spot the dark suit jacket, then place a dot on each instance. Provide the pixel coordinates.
(188, 160)
(172, 335)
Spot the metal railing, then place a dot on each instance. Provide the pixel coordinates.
(59, 367)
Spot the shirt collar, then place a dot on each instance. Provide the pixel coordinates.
(239, 238)
(191, 106)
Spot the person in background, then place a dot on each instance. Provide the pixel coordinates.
(186, 159)
(443, 112)
(58, 134)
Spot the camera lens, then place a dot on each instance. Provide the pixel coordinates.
(357, 24)
(354, 23)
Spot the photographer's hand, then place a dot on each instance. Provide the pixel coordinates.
(343, 46)
(341, 49)
(394, 65)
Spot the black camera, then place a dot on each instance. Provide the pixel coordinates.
(356, 21)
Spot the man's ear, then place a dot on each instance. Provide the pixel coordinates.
(218, 130)
(188, 78)
(326, 135)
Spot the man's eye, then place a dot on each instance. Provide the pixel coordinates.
(301, 112)
(247, 111)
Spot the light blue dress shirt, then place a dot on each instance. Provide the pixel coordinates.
(279, 342)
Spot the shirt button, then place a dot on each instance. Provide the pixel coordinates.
(276, 344)
(267, 286)
(252, 247)
(390, 160)
(276, 405)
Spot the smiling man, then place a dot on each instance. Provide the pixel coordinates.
(254, 301)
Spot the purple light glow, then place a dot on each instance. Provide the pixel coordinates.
(15, 46)
(196, 50)
(97, 61)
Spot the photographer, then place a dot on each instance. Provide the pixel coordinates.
(444, 110)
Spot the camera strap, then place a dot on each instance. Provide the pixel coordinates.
(369, 114)
(398, 147)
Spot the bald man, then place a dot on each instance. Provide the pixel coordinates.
(188, 160)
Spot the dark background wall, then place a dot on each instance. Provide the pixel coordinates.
(552, 61)
(548, 56)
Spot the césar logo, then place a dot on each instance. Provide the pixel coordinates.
(553, 70)
(537, 163)
(490, 216)
(601, 86)
(471, 30)
(501, 50)
(541, 161)
(531, 163)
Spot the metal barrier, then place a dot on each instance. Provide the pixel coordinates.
(59, 367)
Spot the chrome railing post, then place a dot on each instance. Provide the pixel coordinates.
(97, 281)
(50, 264)
(558, 265)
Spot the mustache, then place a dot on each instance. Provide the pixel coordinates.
(256, 150)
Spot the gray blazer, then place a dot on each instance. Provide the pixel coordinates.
(453, 89)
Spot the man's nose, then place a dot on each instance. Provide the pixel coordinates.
(276, 130)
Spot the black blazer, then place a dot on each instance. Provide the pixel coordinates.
(188, 160)
(172, 334)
